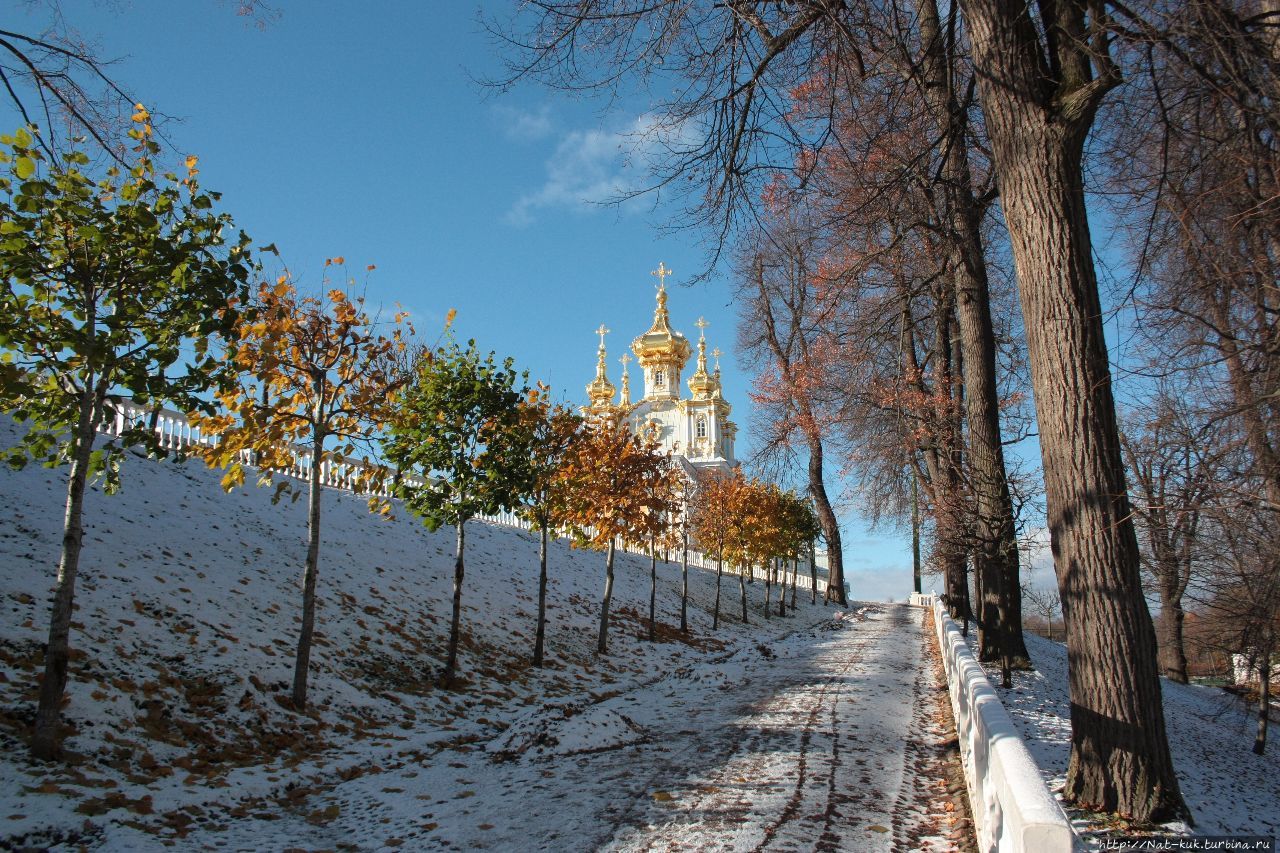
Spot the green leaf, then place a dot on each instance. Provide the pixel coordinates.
(24, 168)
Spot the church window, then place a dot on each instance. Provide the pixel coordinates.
(659, 378)
(702, 427)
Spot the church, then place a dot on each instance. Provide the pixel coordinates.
(695, 430)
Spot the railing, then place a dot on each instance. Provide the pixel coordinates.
(177, 433)
(1013, 810)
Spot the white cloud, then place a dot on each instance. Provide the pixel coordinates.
(522, 125)
(590, 167)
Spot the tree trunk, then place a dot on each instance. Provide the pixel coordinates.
(602, 646)
(1120, 757)
(1264, 704)
(302, 661)
(996, 554)
(742, 588)
(1169, 643)
(653, 589)
(455, 621)
(684, 583)
(830, 526)
(715, 613)
(781, 569)
(539, 638)
(46, 741)
(813, 572)
(795, 581)
(915, 530)
(768, 588)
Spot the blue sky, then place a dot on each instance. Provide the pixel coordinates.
(337, 130)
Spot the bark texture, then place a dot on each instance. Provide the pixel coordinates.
(995, 552)
(302, 661)
(539, 640)
(455, 621)
(715, 613)
(830, 526)
(1037, 118)
(684, 582)
(46, 742)
(602, 644)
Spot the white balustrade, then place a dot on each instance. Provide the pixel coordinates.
(176, 433)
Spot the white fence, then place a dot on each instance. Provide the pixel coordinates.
(923, 599)
(1013, 810)
(177, 433)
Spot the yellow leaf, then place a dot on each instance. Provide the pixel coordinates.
(140, 113)
(191, 162)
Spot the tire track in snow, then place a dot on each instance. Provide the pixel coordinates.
(872, 668)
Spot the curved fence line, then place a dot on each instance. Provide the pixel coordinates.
(1013, 810)
(177, 433)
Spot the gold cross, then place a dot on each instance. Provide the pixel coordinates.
(625, 359)
(702, 325)
(715, 353)
(602, 331)
(661, 272)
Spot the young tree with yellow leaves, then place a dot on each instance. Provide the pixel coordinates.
(108, 287)
(711, 520)
(312, 370)
(550, 431)
(660, 489)
(608, 485)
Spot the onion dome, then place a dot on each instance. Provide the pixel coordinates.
(661, 345)
(702, 384)
(600, 390)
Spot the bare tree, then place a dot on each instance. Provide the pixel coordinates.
(1041, 72)
(1173, 466)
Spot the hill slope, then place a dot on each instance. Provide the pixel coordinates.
(187, 616)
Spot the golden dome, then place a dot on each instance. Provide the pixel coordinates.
(600, 390)
(701, 384)
(661, 344)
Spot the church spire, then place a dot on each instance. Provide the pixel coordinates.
(626, 381)
(700, 384)
(715, 377)
(600, 390)
(661, 352)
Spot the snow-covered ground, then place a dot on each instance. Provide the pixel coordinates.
(1230, 790)
(187, 615)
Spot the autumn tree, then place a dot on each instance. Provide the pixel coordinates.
(549, 434)
(1041, 71)
(608, 479)
(688, 489)
(711, 521)
(786, 325)
(661, 493)
(108, 287)
(460, 426)
(801, 527)
(316, 376)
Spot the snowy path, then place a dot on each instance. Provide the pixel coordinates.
(810, 744)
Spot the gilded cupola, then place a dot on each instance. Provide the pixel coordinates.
(600, 390)
(702, 384)
(661, 352)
